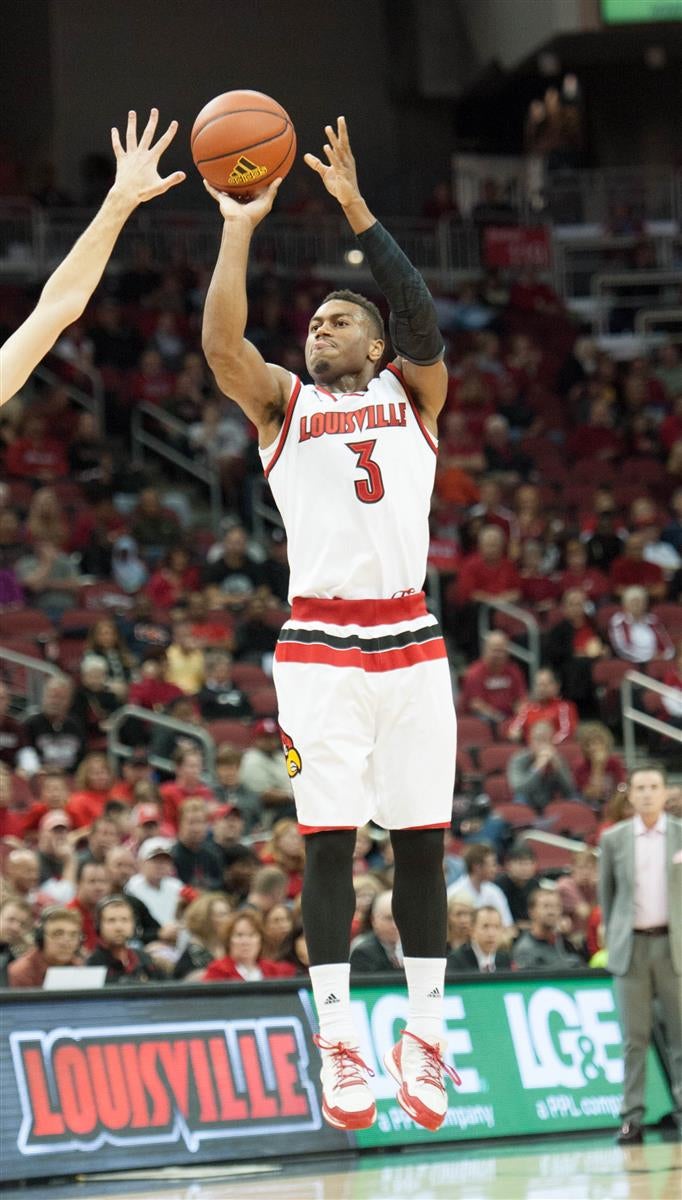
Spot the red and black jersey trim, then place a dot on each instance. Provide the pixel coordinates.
(388, 652)
(285, 427)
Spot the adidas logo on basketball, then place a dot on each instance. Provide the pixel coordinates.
(245, 171)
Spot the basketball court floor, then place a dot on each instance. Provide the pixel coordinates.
(575, 1169)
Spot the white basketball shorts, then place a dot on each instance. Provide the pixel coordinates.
(366, 713)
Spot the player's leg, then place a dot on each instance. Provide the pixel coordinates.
(414, 766)
(327, 906)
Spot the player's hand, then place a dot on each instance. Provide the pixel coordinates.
(137, 167)
(249, 212)
(339, 175)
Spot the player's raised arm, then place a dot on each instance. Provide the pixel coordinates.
(413, 325)
(69, 288)
(259, 388)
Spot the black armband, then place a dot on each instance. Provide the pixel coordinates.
(412, 323)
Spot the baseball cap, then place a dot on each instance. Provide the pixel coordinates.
(144, 814)
(57, 819)
(225, 810)
(266, 725)
(153, 847)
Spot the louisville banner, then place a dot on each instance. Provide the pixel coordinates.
(135, 1077)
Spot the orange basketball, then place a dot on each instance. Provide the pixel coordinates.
(243, 140)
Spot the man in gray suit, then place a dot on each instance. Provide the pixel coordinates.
(640, 892)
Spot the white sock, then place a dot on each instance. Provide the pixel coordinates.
(425, 993)
(331, 991)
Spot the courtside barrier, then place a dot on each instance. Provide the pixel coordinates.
(140, 1076)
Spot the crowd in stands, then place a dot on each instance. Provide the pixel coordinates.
(558, 489)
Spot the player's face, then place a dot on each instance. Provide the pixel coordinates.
(340, 342)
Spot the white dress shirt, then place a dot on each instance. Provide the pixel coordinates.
(651, 885)
(489, 893)
(486, 962)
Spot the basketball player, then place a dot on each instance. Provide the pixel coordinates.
(69, 288)
(365, 702)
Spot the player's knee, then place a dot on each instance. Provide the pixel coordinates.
(418, 849)
(329, 852)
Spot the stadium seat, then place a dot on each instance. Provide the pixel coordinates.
(549, 857)
(608, 673)
(494, 759)
(465, 764)
(571, 818)
(572, 753)
(247, 676)
(79, 620)
(27, 622)
(473, 732)
(603, 616)
(263, 701)
(671, 616)
(234, 733)
(519, 816)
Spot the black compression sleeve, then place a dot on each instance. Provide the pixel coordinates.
(413, 324)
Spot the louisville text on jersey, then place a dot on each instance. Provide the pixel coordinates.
(370, 416)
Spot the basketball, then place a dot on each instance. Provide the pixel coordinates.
(243, 140)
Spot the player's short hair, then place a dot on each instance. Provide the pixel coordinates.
(375, 317)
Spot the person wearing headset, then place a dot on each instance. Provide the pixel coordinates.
(58, 938)
(115, 927)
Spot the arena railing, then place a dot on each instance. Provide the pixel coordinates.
(118, 749)
(144, 439)
(529, 655)
(604, 289)
(661, 321)
(37, 671)
(633, 716)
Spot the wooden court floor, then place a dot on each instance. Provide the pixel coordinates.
(593, 1169)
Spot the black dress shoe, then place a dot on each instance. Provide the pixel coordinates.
(630, 1134)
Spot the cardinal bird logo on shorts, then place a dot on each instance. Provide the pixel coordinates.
(291, 755)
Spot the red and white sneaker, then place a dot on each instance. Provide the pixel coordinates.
(347, 1101)
(418, 1068)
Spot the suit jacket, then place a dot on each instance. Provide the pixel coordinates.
(617, 891)
(464, 959)
(369, 955)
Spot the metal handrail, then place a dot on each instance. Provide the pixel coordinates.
(93, 404)
(118, 749)
(34, 667)
(530, 656)
(204, 472)
(634, 716)
(646, 318)
(601, 282)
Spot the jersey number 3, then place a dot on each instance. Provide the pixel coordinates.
(369, 490)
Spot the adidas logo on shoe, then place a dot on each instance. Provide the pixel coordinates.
(434, 995)
(332, 999)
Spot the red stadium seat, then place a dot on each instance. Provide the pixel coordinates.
(465, 764)
(473, 732)
(79, 619)
(520, 816)
(608, 673)
(263, 701)
(494, 759)
(29, 622)
(248, 676)
(572, 753)
(234, 733)
(548, 857)
(670, 615)
(571, 818)
(603, 616)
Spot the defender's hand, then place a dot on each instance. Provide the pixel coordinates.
(137, 173)
(340, 175)
(251, 212)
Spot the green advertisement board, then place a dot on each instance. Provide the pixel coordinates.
(616, 12)
(534, 1058)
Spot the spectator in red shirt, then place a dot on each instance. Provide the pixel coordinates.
(489, 574)
(152, 690)
(92, 885)
(491, 511)
(174, 580)
(34, 455)
(189, 765)
(244, 944)
(494, 686)
(287, 851)
(53, 795)
(601, 771)
(538, 590)
(545, 705)
(577, 574)
(93, 785)
(151, 383)
(211, 626)
(631, 569)
(599, 438)
(133, 771)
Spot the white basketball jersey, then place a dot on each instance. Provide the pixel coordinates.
(352, 476)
